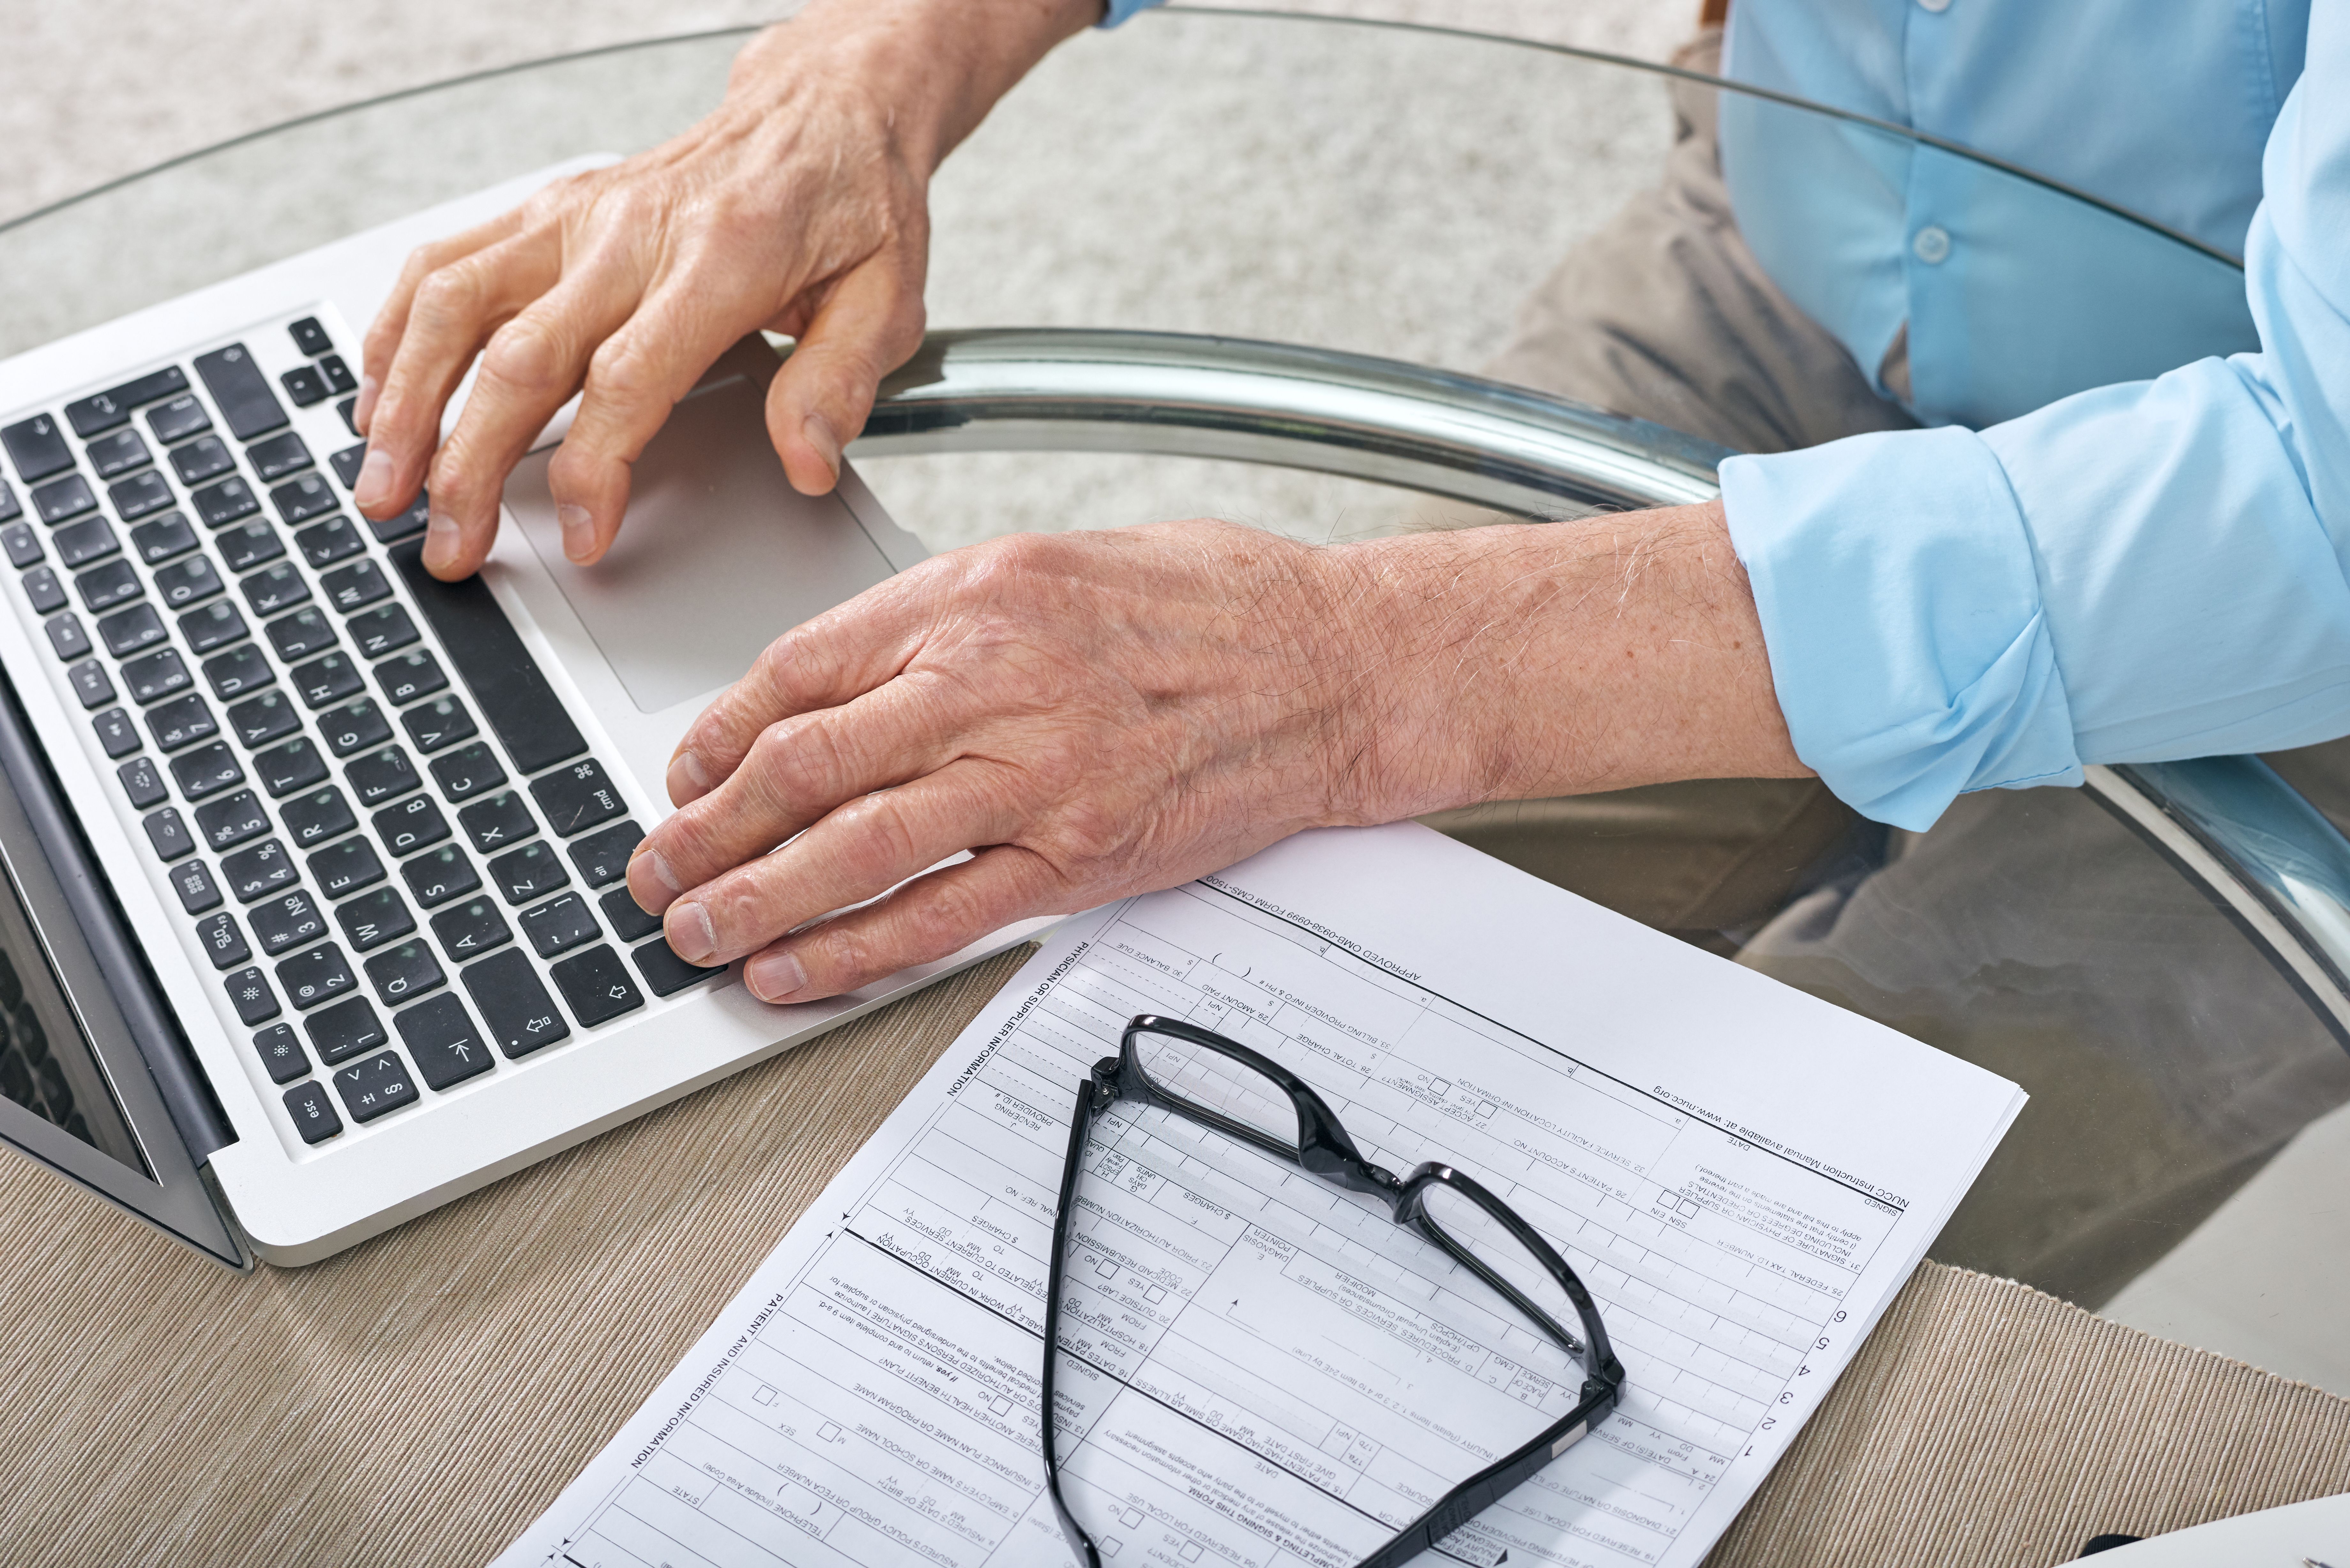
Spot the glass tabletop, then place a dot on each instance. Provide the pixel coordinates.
(1405, 194)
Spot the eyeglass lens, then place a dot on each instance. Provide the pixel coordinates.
(1478, 1233)
(1208, 1078)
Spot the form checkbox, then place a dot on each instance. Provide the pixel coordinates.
(999, 1405)
(1190, 1552)
(1486, 1107)
(1131, 1518)
(829, 1433)
(1154, 1294)
(1106, 1269)
(763, 1394)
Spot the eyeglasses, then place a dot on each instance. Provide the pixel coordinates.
(1222, 1085)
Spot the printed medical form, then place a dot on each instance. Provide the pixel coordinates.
(1261, 1370)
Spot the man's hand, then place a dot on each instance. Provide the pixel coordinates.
(799, 206)
(1097, 714)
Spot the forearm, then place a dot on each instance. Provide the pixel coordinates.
(1512, 663)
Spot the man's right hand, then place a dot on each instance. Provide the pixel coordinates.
(799, 206)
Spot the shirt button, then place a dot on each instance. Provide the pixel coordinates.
(1931, 244)
(1934, 5)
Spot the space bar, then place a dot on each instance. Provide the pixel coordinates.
(507, 687)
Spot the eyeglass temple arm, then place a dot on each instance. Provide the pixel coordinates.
(1093, 1095)
(1489, 1486)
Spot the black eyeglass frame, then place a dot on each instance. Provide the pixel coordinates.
(1323, 1150)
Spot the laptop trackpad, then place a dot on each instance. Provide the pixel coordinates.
(718, 555)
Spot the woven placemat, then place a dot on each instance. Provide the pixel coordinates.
(421, 1398)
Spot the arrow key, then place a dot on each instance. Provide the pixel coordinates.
(521, 1016)
(442, 1038)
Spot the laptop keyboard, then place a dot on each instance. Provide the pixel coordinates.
(386, 832)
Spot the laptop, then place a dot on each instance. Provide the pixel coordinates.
(313, 917)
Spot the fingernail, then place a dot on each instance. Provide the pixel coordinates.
(774, 977)
(817, 432)
(686, 777)
(579, 531)
(664, 880)
(440, 540)
(374, 488)
(687, 926)
(368, 387)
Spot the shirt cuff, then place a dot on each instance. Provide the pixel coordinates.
(1121, 10)
(1902, 613)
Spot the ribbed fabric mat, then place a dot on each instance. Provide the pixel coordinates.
(419, 1399)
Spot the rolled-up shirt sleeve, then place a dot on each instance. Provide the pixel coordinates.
(2142, 572)
(1118, 10)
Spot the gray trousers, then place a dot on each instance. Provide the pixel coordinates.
(2028, 932)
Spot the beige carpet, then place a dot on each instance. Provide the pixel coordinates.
(420, 1399)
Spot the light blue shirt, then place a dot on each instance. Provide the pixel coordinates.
(2128, 537)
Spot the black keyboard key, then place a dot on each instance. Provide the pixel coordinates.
(300, 500)
(160, 539)
(244, 547)
(305, 386)
(113, 406)
(596, 986)
(37, 448)
(511, 694)
(603, 857)
(442, 1038)
(281, 1054)
(22, 545)
(43, 589)
(178, 420)
(665, 972)
(467, 771)
(327, 680)
(440, 876)
(116, 733)
(240, 669)
(140, 495)
(285, 922)
(79, 543)
(524, 874)
(62, 498)
(257, 872)
(312, 1112)
(107, 585)
(346, 867)
(380, 632)
(155, 676)
(406, 971)
(341, 1031)
(578, 797)
(257, 721)
(9, 510)
(118, 454)
(207, 771)
(346, 464)
(310, 337)
(354, 586)
(194, 886)
(92, 683)
(493, 824)
(214, 625)
(249, 993)
(182, 721)
(412, 824)
(202, 460)
(240, 391)
(402, 524)
(560, 924)
(186, 582)
(375, 1086)
(520, 1017)
(168, 833)
(125, 632)
(233, 820)
(319, 975)
(295, 766)
(298, 636)
(471, 928)
(278, 456)
(338, 376)
(324, 544)
(67, 637)
(275, 588)
(374, 919)
(220, 505)
(379, 776)
(354, 727)
(143, 783)
(314, 818)
(410, 676)
(629, 921)
(432, 725)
